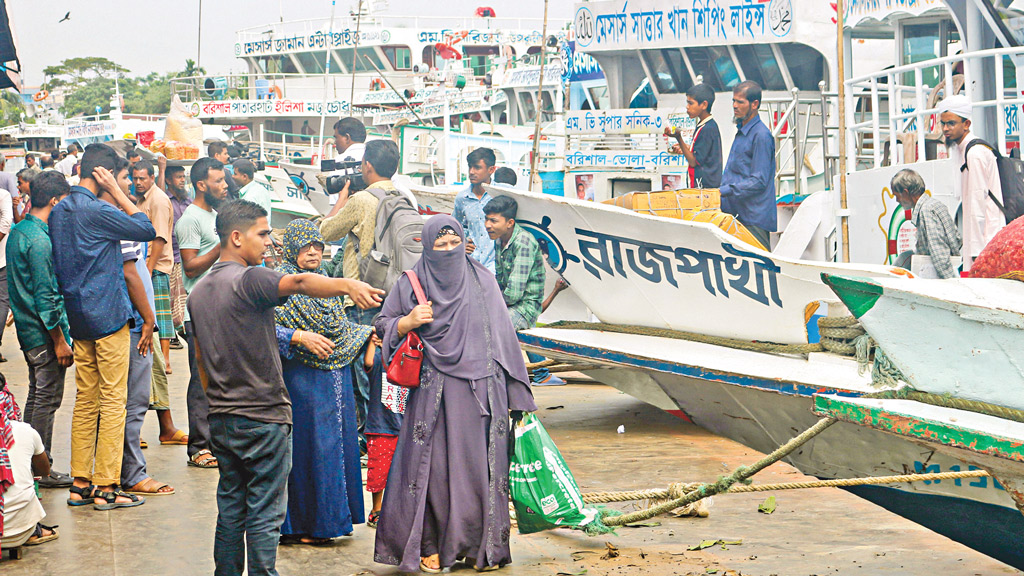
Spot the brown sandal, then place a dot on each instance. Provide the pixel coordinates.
(146, 488)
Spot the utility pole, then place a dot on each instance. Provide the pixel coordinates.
(199, 40)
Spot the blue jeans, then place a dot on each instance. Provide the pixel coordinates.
(252, 495)
(45, 391)
(539, 374)
(198, 406)
(140, 381)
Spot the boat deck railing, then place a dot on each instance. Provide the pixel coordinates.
(892, 116)
(377, 21)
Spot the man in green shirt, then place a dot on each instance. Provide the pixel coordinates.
(519, 268)
(39, 316)
(249, 188)
(199, 246)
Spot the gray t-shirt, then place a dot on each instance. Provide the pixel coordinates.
(232, 310)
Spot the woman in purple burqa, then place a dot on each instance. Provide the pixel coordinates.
(446, 499)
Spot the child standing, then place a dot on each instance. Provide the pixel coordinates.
(383, 422)
(704, 156)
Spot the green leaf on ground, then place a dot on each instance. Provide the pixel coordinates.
(581, 572)
(643, 524)
(704, 544)
(768, 506)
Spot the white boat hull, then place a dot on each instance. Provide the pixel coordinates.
(632, 268)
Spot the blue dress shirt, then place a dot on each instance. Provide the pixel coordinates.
(748, 183)
(86, 234)
(469, 211)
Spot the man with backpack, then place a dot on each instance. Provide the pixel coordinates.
(981, 192)
(382, 226)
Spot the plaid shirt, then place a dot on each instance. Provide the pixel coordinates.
(937, 235)
(519, 267)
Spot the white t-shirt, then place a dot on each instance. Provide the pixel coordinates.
(21, 507)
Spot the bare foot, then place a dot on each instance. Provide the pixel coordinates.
(433, 561)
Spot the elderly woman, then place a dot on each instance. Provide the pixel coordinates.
(317, 347)
(447, 493)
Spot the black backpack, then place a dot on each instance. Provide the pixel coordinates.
(1011, 180)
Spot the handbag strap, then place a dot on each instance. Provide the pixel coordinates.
(417, 288)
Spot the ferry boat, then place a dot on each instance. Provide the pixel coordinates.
(689, 277)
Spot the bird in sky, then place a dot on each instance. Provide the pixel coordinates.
(65, 18)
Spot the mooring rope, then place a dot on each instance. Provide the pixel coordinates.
(678, 490)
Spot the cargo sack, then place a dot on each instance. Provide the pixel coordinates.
(1011, 180)
(543, 490)
(1004, 254)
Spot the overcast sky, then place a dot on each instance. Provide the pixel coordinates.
(157, 36)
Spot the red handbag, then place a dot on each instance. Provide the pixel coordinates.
(404, 369)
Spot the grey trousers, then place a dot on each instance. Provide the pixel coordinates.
(140, 374)
(45, 390)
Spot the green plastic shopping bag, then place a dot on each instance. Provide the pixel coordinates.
(544, 492)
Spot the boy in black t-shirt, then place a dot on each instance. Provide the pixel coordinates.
(705, 155)
(232, 311)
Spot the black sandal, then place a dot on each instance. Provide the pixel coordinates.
(372, 519)
(110, 500)
(88, 495)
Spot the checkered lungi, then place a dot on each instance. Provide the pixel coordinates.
(162, 298)
(178, 296)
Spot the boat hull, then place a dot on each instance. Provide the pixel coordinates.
(663, 271)
(745, 402)
(962, 338)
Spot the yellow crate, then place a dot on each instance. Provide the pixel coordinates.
(668, 203)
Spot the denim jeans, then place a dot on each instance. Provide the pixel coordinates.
(252, 495)
(196, 403)
(539, 374)
(5, 300)
(45, 390)
(140, 375)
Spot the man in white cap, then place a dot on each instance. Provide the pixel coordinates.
(979, 176)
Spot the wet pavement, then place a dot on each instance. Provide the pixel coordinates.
(812, 532)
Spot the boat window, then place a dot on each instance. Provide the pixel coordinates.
(759, 64)
(479, 58)
(429, 55)
(599, 96)
(312, 62)
(806, 65)
(715, 65)
(366, 55)
(400, 57)
(922, 42)
(547, 106)
(529, 111)
(281, 64)
(668, 70)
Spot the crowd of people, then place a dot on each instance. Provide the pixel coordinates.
(115, 263)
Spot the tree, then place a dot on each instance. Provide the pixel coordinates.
(11, 108)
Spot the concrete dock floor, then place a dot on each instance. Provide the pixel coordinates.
(812, 532)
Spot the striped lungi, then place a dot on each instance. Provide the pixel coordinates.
(162, 299)
(178, 297)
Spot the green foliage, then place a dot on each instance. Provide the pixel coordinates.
(89, 83)
(11, 108)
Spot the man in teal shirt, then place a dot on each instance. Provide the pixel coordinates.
(39, 315)
(249, 188)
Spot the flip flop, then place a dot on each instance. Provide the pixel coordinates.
(145, 488)
(179, 438)
(38, 534)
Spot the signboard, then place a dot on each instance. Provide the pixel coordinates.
(530, 77)
(457, 105)
(625, 121)
(636, 24)
(276, 107)
(631, 159)
(87, 129)
(578, 66)
(319, 40)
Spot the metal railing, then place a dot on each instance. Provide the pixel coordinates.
(798, 123)
(894, 110)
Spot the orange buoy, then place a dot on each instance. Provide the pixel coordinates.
(41, 95)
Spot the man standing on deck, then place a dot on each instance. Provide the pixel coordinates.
(979, 177)
(748, 183)
(937, 236)
(469, 206)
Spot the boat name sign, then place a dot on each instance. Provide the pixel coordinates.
(626, 121)
(318, 39)
(609, 26)
(625, 159)
(238, 108)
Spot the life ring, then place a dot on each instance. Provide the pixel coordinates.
(41, 95)
(376, 84)
(276, 91)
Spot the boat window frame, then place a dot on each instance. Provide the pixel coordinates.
(318, 58)
(674, 73)
(395, 48)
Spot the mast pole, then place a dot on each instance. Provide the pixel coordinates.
(539, 100)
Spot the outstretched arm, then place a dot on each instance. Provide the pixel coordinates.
(317, 286)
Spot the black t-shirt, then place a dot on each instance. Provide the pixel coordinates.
(707, 148)
(232, 311)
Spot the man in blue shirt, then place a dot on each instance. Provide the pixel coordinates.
(469, 206)
(748, 184)
(86, 234)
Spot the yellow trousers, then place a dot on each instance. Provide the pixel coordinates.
(97, 424)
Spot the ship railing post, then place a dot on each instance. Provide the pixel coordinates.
(922, 116)
(876, 133)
